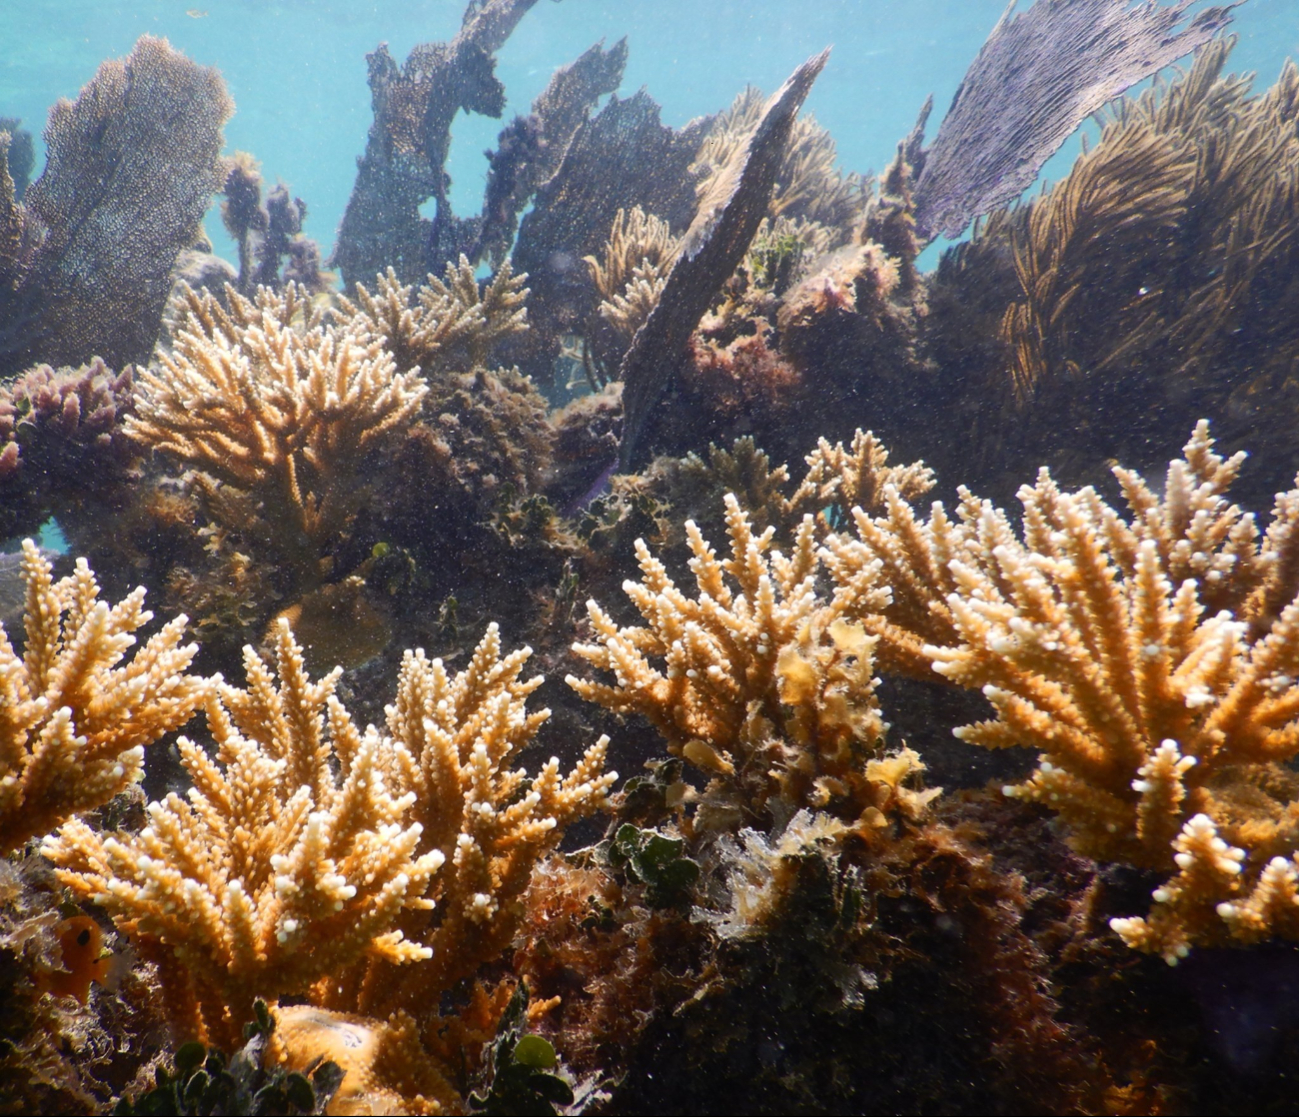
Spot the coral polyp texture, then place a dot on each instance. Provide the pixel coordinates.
(286, 860)
(75, 719)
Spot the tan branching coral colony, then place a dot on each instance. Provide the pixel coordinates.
(73, 723)
(307, 856)
(368, 882)
(294, 864)
(274, 408)
(1151, 659)
(762, 684)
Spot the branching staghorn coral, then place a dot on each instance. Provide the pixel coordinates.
(74, 724)
(892, 574)
(288, 858)
(859, 476)
(452, 325)
(838, 478)
(1151, 660)
(768, 689)
(267, 401)
(300, 864)
(484, 436)
(452, 739)
(627, 310)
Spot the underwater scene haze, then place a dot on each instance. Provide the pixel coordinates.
(573, 557)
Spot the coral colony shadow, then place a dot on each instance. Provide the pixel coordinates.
(944, 636)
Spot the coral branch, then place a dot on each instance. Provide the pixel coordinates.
(763, 686)
(288, 859)
(73, 724)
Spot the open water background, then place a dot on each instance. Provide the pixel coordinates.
(297, 71)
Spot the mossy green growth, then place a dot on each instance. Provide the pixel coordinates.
(656, 861)
(521, 1069)
(203, 1081)
(773, 261)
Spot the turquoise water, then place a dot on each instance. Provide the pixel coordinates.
(297, 69)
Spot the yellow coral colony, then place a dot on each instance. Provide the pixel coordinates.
(1152, 661)
(386, 1068)
(449, 325)
(894, 575)
(768, 689)
(452, 741)
(74, 724)
(288, 859)
(267, 399)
